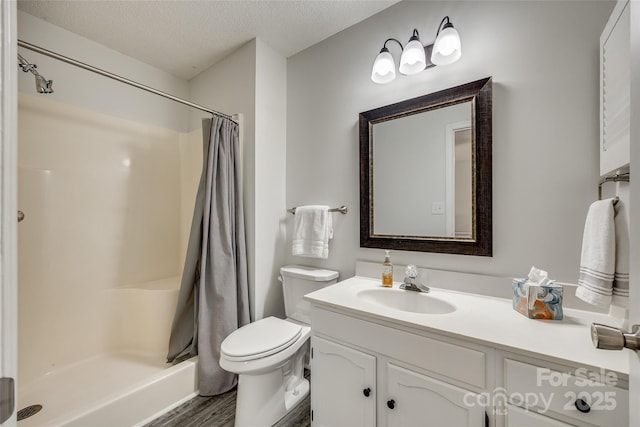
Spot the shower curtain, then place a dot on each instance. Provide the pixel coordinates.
(214, 295)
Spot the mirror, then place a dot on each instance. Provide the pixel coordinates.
(425, 172)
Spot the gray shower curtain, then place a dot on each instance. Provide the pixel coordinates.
(214, 293)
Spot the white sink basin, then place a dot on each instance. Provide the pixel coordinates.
(414, 302)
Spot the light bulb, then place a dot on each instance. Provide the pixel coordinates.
(413, 59)
(447, 48)
(384, 69)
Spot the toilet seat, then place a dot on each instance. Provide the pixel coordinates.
(260, 339)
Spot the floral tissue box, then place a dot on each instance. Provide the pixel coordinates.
(537, 301)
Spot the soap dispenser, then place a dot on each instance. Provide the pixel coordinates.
(387, 271)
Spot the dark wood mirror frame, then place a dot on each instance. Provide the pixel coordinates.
(479, 93)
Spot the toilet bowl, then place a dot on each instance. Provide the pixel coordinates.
(269, 355)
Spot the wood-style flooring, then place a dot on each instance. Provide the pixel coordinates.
(219, 411)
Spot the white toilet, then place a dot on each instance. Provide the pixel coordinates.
(269, 355)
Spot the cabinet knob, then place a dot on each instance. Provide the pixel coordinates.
(391, 404)
(366, 392)
(582, 406)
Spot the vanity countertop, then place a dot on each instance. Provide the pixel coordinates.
(485, 320)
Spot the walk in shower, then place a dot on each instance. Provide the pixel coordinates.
(107, 206)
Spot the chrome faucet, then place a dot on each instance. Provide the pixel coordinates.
(410, 283)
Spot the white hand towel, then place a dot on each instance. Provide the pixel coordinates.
(621, 277)
(597, 263)
(312, 230)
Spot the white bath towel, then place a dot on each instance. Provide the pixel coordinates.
(621, 276)
(312, 230)
(597, 262)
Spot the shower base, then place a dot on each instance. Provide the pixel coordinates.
(116, 389)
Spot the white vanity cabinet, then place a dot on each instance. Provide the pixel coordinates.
(540, 393)
(615, 90)
(481, 365)
(414, 399)
(367, 374)
(343, 386)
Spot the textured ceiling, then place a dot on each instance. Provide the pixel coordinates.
(185, 37)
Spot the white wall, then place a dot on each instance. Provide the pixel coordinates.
(229, 87)
(252, 81)
(543, 57)
(270, 179)
(82, 88)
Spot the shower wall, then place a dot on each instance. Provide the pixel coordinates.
(107, 204)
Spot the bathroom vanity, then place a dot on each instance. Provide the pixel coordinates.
(389, 357)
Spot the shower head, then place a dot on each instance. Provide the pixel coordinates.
(42, 85)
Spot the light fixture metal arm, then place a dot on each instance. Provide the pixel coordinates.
(441, 26)
(384, 46)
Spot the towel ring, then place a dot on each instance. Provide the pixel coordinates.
(622, 177)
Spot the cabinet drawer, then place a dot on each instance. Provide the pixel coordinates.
(460, 363)
(549, 391)
(518, 417)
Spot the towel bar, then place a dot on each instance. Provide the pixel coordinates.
(621, 177)
(342, 209)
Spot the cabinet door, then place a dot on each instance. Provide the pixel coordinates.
(518, 417)
(615, 72)
(417, 400)
(342, 386)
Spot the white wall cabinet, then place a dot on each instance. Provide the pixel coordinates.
(615, 90)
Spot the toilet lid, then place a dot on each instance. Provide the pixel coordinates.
(260, 339)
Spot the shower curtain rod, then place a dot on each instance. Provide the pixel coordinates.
(113, 76)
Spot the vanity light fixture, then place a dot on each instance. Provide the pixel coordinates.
(413, 59)
(446, 49)
(384, 68)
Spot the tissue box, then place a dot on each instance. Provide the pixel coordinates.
(537, 301)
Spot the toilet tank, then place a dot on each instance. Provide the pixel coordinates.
(297, 281)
